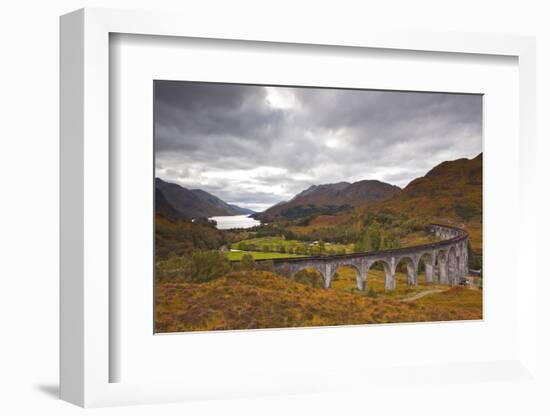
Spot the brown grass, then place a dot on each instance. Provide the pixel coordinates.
(321, 221)
(346, 281)
(417, 238)
(475, 230)
(250, 300)
(456, 299)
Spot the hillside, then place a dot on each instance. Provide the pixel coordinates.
(248, 300)
(240, 210)
(330, 199)
(163, 207)
(173, 200)
(450, 192)
(176, 236)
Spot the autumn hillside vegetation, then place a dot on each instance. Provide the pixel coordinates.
(450, 193)
(260, 299)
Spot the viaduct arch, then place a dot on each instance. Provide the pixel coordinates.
(448, 258)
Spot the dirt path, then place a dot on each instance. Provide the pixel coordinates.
(422, 294)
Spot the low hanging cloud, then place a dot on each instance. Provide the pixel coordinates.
(255, 145)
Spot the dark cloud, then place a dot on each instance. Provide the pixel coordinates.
(258, 145)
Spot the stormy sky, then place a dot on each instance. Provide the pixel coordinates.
(255, 146)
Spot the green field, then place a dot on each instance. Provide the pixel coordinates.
(280, 245)
(259, 255)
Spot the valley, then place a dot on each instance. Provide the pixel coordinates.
(229, 275)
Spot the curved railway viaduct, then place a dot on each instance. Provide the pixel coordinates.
(446, 259)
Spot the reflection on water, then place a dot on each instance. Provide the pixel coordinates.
(235, 221)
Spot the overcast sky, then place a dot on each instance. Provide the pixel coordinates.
(255, 146)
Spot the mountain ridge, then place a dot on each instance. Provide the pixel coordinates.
(333, 196)
(451, 190)
(173, 200)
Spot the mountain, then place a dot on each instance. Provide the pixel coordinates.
(174, 201)
(451, 191)
(241, 210)
(163, 207)
(330, 199)
(320, 194)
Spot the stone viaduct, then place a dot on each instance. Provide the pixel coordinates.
(445, 260)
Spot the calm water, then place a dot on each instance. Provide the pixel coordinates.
(235, 221)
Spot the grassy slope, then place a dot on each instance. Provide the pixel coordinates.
(249, 300)
(181, 237)
(321, 221)
(467, 301)
(450, 193)
(416, 238)
(274, 242)
(259, 255)
(440, 191)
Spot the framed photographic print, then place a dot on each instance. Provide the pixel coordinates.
(281, 207)
(263, 213)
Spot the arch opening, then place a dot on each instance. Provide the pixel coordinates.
(379, 277)
(310, 276)
(405, 272)
(347, 277)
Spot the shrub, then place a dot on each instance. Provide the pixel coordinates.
(309, 277)
(173, 268)
(181, 237)
(247, 262)
(301, 249)
(266, 266)
(467, 211)
(208, 265)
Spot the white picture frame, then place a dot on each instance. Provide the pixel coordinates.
(85, 211)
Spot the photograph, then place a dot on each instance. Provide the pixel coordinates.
(297, 206)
